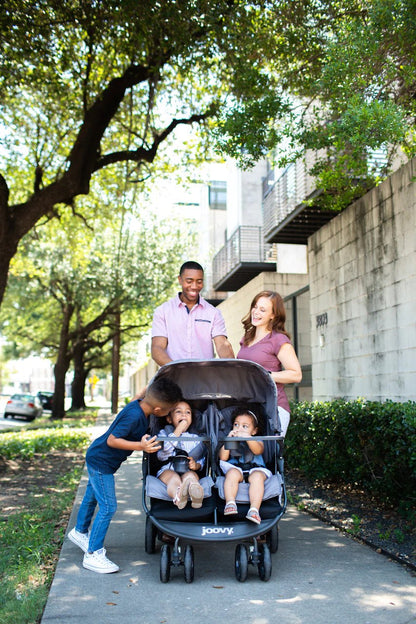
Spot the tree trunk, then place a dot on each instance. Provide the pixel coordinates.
(78, 382)
(61, 365)
(115, 364)
(60, 371)
(8, 248)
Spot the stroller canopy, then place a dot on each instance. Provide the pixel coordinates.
(239, 381)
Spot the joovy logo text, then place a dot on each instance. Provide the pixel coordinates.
(217, 531)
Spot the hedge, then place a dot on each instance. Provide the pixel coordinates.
(24, 444)
(368, 443)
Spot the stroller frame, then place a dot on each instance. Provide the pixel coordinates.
(219, 385)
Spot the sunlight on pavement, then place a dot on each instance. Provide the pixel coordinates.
(396, 596)
(333, 544)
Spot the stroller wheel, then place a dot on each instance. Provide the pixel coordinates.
(265, 563)
(241, 562)
(165, 563)
(188, 562)
(272, 539)
(150, 537)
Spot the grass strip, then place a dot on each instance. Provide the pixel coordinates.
(30, 542)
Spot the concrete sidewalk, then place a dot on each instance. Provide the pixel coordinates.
(319, 576)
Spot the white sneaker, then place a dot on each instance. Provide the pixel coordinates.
(98, 562)
(80, 539)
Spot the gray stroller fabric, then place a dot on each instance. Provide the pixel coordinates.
(155, 488)
(272, 489)
(226, 382)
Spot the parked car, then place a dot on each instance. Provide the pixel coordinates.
(46, 399)
(26, 405)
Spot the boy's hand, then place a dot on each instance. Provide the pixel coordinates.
(150, 445)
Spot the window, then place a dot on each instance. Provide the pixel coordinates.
(218, 195)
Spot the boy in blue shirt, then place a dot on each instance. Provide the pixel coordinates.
(104, 456)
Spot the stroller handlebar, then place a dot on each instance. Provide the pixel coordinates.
(279, 438)
(183, 437)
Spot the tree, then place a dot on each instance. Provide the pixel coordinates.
(87, 85)
(348, 73)
(96, 357)
(68, 282)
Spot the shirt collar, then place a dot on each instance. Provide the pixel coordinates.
(200, 302)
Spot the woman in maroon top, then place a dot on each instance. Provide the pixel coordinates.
(267, 342)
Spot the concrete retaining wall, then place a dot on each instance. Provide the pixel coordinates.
(362, 268)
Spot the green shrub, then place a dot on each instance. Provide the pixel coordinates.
(24, 445)
(369, 443)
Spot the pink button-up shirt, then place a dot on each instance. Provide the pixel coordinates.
(189, 334)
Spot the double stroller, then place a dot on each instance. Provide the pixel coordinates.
(214, 388)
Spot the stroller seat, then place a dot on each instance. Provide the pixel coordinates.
(272, 488)
(270, 506)
(164, 509)
(155, 488)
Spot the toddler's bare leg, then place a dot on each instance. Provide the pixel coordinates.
(232, 479)
(256, 480)
(172, 481)
(190, 476)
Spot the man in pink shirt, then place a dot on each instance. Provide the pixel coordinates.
(186, 326)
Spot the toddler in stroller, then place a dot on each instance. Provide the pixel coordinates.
(182, 458)
(243, 461)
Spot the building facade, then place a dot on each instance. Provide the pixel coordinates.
(362, 276)
(356, 333)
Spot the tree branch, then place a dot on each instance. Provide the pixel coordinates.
(149, 154)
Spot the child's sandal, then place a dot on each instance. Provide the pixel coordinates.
(181, 496)
(196, 492)
(253, 515)
(230, 509)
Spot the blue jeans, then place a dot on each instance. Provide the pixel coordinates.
(100, 490)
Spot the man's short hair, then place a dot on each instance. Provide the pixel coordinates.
(191, 265)
(165, 390)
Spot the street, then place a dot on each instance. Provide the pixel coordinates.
(8, 423)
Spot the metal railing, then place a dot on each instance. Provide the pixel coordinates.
(246, 244)
(290, 189)
(295, 185)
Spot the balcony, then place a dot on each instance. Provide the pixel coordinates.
(286, 218)
(244, 256)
